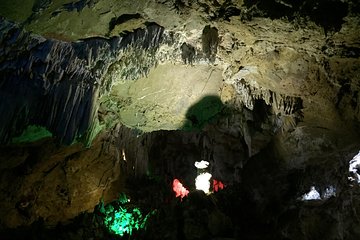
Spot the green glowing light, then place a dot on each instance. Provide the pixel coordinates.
(31, 134)
(123, 220)
(123, 198)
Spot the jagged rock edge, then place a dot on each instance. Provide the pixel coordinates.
(65, 79)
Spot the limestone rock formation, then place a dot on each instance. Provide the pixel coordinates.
(99, 97)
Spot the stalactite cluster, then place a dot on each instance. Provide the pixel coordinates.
(60, 81)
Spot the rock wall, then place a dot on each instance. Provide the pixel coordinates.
(59, 82)
(266, 91)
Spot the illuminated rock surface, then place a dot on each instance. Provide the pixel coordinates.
(99, 97)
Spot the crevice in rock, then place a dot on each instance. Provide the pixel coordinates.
(122, 19)
(187, 53)
(327, 14)
(210, 41)
(78, 5)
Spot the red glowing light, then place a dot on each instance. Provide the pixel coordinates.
(217, 185)
(179, 189)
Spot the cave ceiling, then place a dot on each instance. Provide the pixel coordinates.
(147, 63)
(277, 48)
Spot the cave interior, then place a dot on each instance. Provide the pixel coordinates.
(180, 119)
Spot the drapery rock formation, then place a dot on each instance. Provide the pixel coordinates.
(97, 95)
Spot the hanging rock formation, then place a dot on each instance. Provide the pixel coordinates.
(60, 82)
(102, 97)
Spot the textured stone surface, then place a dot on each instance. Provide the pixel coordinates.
(266, 91)
(59, 82)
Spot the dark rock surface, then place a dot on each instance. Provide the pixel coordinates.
(133, 93)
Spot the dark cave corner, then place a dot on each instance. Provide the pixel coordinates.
(328, 14)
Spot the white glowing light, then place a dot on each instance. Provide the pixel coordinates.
(330, 192)
(201, 165)
(312, 195)
(123, 154)
(202, 182)
(354, 164)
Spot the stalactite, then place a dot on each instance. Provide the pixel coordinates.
(59, 81)
(280, 103)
